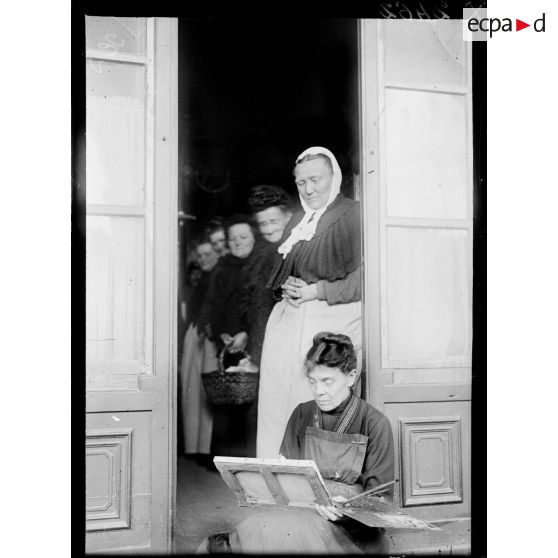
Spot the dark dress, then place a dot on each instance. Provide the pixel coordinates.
(378, 458)
(353, 449)
(239, 300)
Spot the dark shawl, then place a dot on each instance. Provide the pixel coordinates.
(238, 299)
(331, 254)
(196, 299)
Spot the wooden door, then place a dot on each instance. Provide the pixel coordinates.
(131, 171)
(417, 206)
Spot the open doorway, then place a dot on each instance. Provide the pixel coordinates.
(252, 96)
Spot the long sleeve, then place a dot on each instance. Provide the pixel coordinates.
(222, 310)
(341, 291)
(218, 303)
(207, 304)
(379, 462)
(290, 447)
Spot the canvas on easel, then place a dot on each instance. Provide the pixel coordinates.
(273, 482)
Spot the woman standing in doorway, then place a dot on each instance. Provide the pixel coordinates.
(235, 305)
(317, 283)
(198, 355)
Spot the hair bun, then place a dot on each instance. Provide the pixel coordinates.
(333, 350)
(265, 196)
(337, 338)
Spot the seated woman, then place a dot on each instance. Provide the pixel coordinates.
(351, 443)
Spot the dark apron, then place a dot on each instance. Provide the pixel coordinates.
(338, 455)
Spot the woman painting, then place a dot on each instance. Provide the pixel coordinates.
(351, 443)
(198, 355)
(317, 282)
(238, 305)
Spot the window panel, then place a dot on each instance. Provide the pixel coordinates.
(428, 293)
(115, 289)
(116, 34)
(426, 155)
(424, 52)
(115, 136)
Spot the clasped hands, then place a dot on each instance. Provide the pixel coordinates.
(237, 343)
(296, 291)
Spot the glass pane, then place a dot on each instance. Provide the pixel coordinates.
(115, 285)
(115, 133)
(428, 293)
(424, 52)
(426, 155)
(116, 34)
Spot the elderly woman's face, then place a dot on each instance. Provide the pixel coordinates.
(314, 180)
(330, 386)
(241, 240)
(272, 222)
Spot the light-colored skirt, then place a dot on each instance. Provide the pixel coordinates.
(199, 355)
(288, 337)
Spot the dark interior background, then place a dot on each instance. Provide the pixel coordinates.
(253, 94)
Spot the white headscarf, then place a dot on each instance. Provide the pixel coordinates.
(306, 229)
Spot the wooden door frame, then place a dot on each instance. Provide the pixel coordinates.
(370, 184)
(166, 169)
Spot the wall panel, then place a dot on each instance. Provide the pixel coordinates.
(118, 471)
(433, 452)
(108, 478)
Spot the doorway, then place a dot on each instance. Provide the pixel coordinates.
(251, 96)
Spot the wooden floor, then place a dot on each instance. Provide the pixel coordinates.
(204, 506)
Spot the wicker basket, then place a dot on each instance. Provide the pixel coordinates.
(235, 387)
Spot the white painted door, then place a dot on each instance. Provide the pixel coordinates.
(131, 171)
(417, 201)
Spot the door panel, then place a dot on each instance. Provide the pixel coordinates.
(433, 451)
(417, 204)
(130, 281)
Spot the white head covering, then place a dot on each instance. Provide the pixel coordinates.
(306, 229)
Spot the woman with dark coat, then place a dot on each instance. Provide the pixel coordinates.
(238, 305)
(316, 281)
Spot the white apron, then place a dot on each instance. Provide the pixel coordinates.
(199, 355)
(288, 337)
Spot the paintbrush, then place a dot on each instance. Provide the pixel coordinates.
(371, 492)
